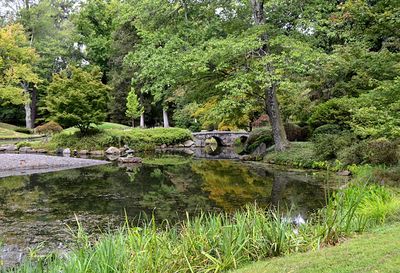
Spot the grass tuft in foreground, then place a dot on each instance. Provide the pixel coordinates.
(221, 242)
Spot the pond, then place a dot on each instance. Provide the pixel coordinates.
(36, 211)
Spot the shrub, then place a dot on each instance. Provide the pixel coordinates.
(353, 154)
(327, 146)
(381, 151)
(23, 130)
(327, 129)
(24, 144)
(295, 132)
(258, 136)
(262, 121)
(48, 128)
(334, 111)
(139, 139)
(300, 154)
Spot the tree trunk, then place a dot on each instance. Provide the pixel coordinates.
(142, 120)
(133, 123)
(278, 130)
(278, 188)
(271, 100)
(29, 120)
(28, 115)
(165, 118)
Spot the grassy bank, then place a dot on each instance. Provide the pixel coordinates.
(376, 251)
(107, 135)
(300, 155)
(222, 242)
(8, 131)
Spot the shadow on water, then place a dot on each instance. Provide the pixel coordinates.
(37, 208)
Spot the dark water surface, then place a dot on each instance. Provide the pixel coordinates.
(36, 210)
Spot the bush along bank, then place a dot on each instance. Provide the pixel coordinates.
(221, 242)
(99, 140)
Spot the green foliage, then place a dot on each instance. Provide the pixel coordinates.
(77, 98)
(327, 146)
(139, 139)
(334, 111)
(184, 118)
(381, 151)
(16, 65)
(258, 136)
(133, 107)
(327, 129)
(23, 130)
(24, 144)
(300, 154)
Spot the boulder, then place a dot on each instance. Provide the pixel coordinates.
(66, 151)
(261, 150)
(113, 151)
(59, 151)
(83, 152)
(130, 159)
(8, 148)
(130, 151)
(112, 157)
(25, 149)
(163, 146)
(344, 173)
(97, 153)
(41, 151)
(188, 143)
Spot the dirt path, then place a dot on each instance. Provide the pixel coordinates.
(21, 164)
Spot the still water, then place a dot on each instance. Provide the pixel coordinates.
(37, 211)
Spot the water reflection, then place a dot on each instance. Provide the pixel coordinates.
(38, 207)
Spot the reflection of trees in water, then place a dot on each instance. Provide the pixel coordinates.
(231, 184)
(15, 198)
(177, 192)
(298, 196)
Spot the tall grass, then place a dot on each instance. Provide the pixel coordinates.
(221, 242)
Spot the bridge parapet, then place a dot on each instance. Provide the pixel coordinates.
(224, 138)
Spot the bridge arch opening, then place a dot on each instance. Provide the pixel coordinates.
(243, 139)
(214, 140)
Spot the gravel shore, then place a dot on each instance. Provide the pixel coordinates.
(22, 164)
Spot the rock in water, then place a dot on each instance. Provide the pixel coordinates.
(66, 151)
(130, 159)
(188, 143)
(113, 151)
(25, 149)
(8, 148)
(344, 173)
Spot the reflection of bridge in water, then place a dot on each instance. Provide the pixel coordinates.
(223, 138)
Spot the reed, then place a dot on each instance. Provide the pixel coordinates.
(221, 242)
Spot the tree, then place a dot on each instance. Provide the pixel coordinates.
(133, 107)
(278, 131)
(77, 97)
(17, 78)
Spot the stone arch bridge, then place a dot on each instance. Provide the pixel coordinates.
(223, 138)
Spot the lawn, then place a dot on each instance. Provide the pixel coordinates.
(378, 251)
